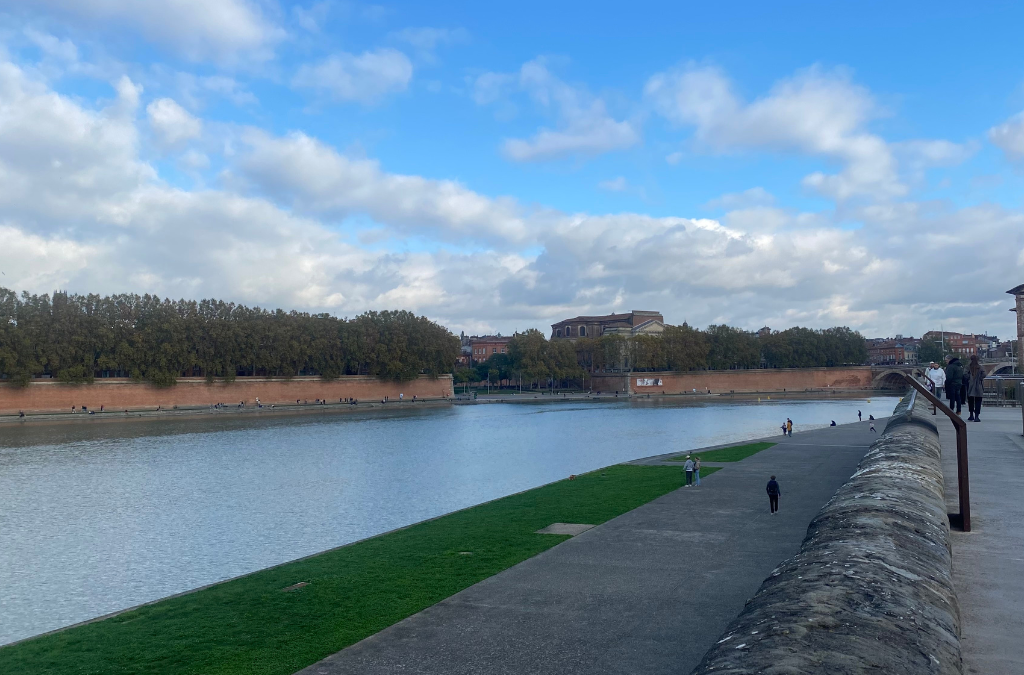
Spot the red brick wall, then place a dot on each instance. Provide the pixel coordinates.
(116, 393)
(723, 381)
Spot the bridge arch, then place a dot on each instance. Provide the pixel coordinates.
(890, 380)
(1002, 370)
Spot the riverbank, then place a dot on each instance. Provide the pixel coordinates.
(314, 408)
(279, 620)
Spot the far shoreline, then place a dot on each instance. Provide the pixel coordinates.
(37, 418)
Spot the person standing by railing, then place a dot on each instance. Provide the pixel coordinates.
(975, 389)
(936, 378)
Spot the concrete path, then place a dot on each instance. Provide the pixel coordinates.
(648, 592)
(988, 562)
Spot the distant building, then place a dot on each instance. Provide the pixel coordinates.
(633, 323)
(484, 347)
(965, 344)
(888, 351)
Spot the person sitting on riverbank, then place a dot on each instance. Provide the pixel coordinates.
(833, 423)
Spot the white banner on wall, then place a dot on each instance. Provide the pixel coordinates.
(648, 382)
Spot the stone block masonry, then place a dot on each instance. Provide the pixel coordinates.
(871, 589)
(119, 394)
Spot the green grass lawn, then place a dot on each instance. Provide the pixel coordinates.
(733, 454)
(251, 625)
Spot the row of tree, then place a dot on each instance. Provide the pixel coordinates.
(534, 359)
(76, 338)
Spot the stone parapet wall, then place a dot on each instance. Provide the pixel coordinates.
(871, 590)
(116, 393)
(739, 381)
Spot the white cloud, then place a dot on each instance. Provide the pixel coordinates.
(225, 31)
(366, 78)
(313, 18)
(755, 196)
(425, 40)
(585, 127)
(618, 184)
(674, 158)
(816, 113)
(171, 123)
(1009, 137)
(316, 179)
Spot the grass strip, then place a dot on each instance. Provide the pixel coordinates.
(251, 625)
(733, 454)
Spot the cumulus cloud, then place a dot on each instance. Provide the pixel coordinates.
(171, 123)
(366, 77)
(1009, 137)
(585, 128)
(225, 31)
(314, 178)
(816, 112)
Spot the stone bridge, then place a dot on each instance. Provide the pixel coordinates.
(891, 377)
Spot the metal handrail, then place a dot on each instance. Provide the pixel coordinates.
(961, 520)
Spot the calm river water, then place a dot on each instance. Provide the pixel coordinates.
(100, 516)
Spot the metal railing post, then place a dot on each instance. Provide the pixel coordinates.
(962, 519)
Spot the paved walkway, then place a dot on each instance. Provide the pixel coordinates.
(988, 562)
(648, 592)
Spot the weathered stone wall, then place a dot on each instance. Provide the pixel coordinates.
(871, 590)
(115, 394)
(746, 381)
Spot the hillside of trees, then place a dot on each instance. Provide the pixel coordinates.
(534, 359)
(76, 338)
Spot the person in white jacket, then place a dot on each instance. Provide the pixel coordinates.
(937, 376)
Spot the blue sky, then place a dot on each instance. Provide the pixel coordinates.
(498, 168)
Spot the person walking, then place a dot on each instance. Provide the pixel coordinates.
(871, 426)
(696, 471)
(975, 389)
(789, 426)
(688, 468)
(860, 418)
(773, 495)
(783, 428)
(954, 377)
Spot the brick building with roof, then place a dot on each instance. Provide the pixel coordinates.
(636, 322)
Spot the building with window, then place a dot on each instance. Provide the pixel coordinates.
(636, 322)
(889, 351)
(484, 347)
(965, 344)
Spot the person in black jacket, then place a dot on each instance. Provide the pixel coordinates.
(773, 495)
(954, 379)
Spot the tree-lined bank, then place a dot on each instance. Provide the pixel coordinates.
(76, 338)
(532, 358)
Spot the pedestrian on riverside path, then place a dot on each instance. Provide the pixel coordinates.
(783, 428)
(872, 425)
(954, 376)
(975, 389)
(789, 426)
(860, 418)
(773, 495)
(688, 468)
(696, 471)
(936, 377)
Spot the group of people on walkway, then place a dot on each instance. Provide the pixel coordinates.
(962, 385)
(692, 469)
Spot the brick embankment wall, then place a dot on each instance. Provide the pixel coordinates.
(871, 590)
(49, 395)
(740, 381)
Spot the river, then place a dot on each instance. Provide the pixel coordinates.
(99, 516)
